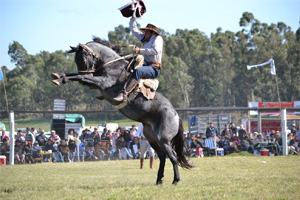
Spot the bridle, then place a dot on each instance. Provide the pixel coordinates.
(96, 57)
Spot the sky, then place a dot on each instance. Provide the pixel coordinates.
(50, 25)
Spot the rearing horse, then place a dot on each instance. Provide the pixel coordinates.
(162, 126)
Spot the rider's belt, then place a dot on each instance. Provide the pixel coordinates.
(155, 63)
(143, 138)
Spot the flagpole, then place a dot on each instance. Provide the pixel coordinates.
(277, 89)
(5, 95)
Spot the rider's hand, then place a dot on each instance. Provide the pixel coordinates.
(136, 50)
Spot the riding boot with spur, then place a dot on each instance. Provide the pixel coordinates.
(130, 86)
(142, 163)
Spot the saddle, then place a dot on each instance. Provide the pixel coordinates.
(147, 87)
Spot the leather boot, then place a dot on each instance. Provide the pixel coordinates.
(142, 163)
(151, 162)
(130, 86)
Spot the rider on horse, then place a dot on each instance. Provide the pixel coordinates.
(152, 52)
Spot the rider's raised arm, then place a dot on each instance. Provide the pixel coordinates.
(135, 30)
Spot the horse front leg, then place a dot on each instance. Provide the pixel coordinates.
(86, 80)
(160, 174)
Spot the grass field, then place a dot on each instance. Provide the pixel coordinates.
(229, 177)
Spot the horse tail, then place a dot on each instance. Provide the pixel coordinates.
(178, 146)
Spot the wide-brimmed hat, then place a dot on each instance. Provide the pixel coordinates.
(151, 27)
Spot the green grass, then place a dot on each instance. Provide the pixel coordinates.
(240, 177)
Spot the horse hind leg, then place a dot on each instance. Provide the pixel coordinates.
(173, 158)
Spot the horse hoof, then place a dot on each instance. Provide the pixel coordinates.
(55, 75)
(56, 82)
(160, 182)
(174, 182)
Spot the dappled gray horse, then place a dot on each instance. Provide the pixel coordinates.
(102, 68)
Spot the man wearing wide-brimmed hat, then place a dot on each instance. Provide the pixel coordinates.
(152, 52)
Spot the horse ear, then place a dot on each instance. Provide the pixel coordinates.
(73, 49)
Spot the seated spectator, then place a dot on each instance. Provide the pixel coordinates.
(187, 144)
(212, 136)
(196, 144)
(48, 146)
(247, 145)
(28, 154)
(55, 138)
(19, 153)
(135, 148)
(225, 144)
(236, 141)
(57, 156)
(65, 151)
(259, 142)
(5, 148)
(35, 150)
(90, 152)
(3, 136)
(122, 147)
(99, 150)
(292, 149)
(41, 138)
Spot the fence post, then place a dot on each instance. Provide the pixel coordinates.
(284, 132)
(12, 138)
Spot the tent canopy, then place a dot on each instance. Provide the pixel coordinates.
(75, 118)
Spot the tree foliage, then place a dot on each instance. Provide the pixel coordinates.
(197, 70)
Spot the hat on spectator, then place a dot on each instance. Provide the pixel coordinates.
(53, 131)
(55, 145)
(36, 142)
(31, 143)
(278, 134)
(19, 130)
(293, 124)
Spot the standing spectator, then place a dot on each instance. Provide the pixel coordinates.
(187, 144)
(55, 138)
(227, 132)
(133, 129)
(233, 128)
(297, 136)
(210, 129)
(19, 152)
(135, 147)
(70, 135)
(41, 138)
(144, 145)
(293, 129)
(29, 137)
(125, 134)
(3, 136)
(20, 135)
(85, 135)
(242, 132)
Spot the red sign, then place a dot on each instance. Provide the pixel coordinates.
(266, 126)
(275, 104)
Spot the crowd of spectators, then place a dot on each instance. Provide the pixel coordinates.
(231, 139)
(90, 145)
(122, 143)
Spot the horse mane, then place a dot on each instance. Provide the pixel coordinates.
(115, 47)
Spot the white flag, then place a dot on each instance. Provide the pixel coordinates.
(271, 61)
